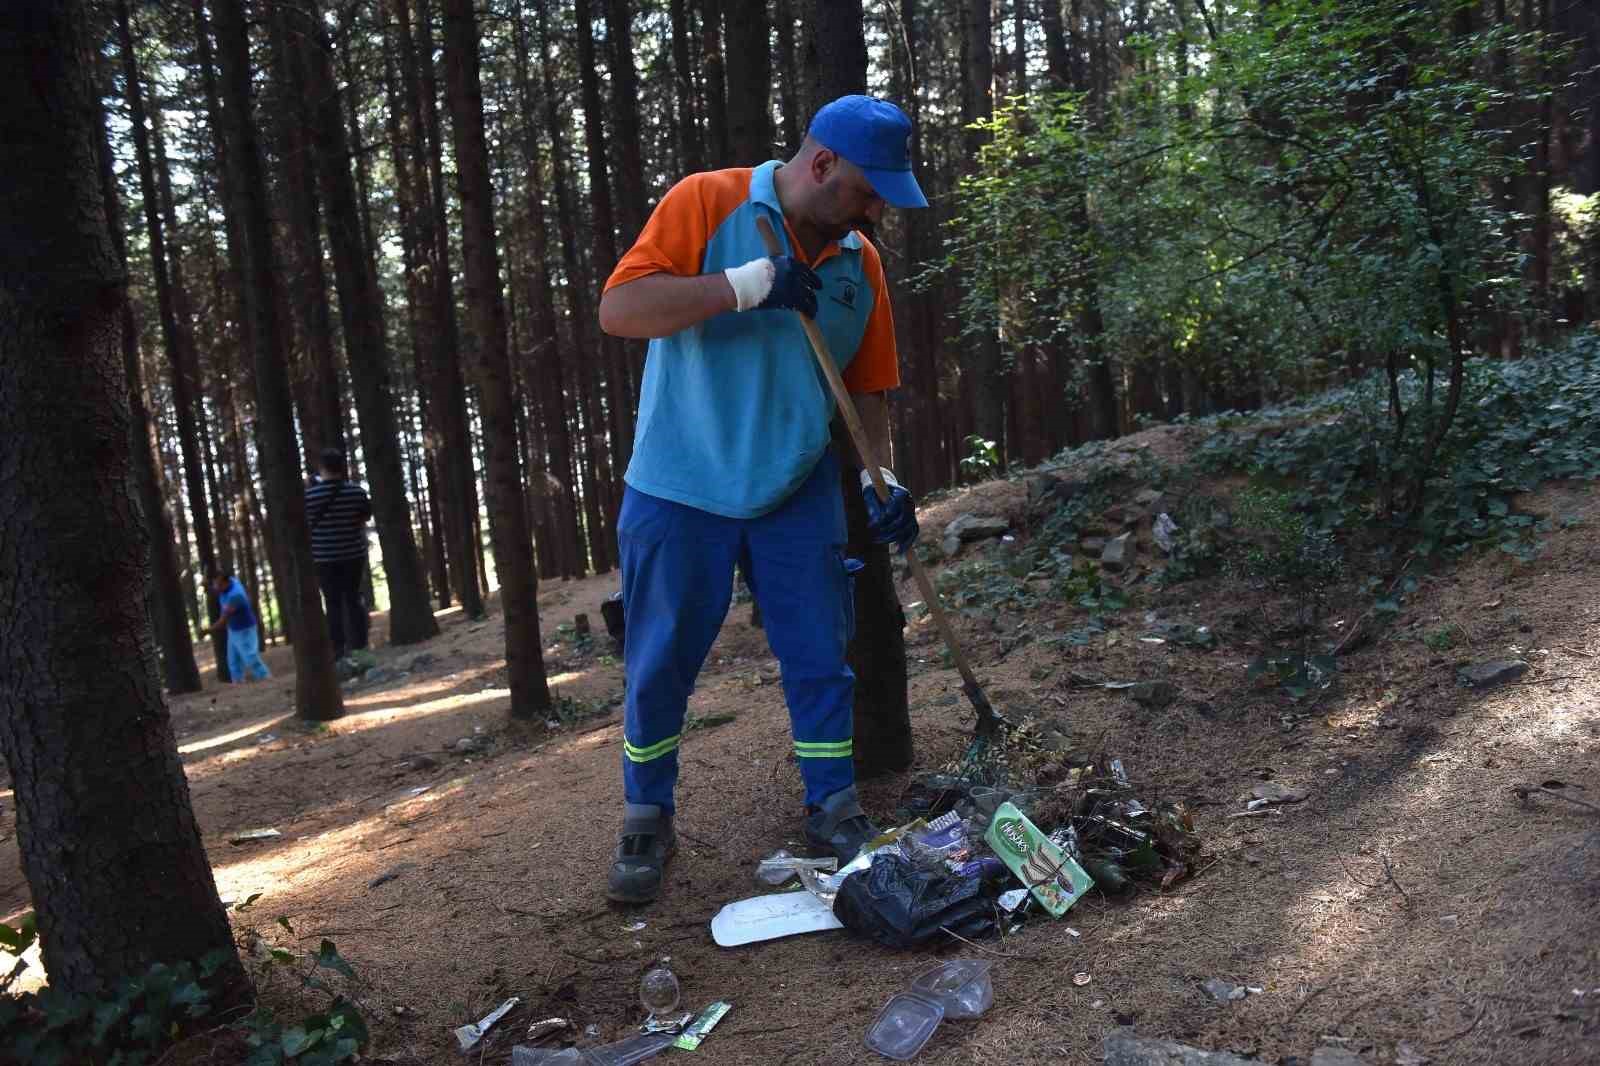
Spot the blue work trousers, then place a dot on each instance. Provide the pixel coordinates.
(678, 565)
(244, 656)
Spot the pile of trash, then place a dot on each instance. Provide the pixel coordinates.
(972, 846)
(969, 859)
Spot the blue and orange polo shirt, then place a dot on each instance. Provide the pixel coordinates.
(733, 412)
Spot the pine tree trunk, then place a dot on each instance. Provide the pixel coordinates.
(790, 92)
(631, 202)
(414, 207)
(181, 362)
(407, 192)
(183, 312)
(86, 734)
(618, 392)
(169, 467)
(361, 314)
(877, 654)
(322, 425)
(835, 54)
(447, 391)
(316, 686)
(225, 286)
(598, 538)
(716, 89)
(1019, 30)
(691, 145)
(1058, 69)
(749, 72)
(991, 380)
(1542, 185)
(548, 369)
(633, 206)
(508, 525)
(166, 601)
(919, 312)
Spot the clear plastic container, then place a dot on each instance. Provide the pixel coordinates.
(962, 986)
(627, 1052)
(903, 1025)
(539, 1056)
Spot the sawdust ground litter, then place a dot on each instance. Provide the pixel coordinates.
(1412, 898)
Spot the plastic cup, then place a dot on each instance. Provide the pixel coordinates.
(962, 986)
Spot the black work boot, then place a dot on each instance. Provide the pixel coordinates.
(840, 826)
(646, 843)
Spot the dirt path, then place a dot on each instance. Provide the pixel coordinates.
(1412, 898)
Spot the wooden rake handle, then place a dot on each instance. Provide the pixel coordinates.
(988, 721)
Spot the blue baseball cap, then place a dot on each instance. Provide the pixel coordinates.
(875, 135)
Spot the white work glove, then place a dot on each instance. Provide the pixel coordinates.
(774, 283)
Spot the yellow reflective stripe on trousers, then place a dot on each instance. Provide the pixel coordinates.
(824, 749)
(654, 751)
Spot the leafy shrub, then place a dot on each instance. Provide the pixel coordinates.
(143, 1015)
(1520, 424)
(1294, 555)
(982, 459)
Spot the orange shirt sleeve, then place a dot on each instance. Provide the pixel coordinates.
(674, 240)
(876, 366)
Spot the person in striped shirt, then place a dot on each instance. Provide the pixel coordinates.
(337, 512)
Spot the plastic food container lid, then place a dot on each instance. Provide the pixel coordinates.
(903, 1025)
(962, 986)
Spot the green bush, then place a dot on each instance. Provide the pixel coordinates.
(1521, 424)
(146, 1014)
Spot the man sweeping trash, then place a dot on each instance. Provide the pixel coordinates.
(731, 465)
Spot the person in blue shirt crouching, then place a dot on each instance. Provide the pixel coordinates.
(244, 640)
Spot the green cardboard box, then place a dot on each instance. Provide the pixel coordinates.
(1055, 880)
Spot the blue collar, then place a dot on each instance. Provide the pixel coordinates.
(764, 191)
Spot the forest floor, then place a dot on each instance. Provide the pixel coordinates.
(1412, 909)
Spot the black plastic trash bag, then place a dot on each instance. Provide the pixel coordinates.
(900, 906)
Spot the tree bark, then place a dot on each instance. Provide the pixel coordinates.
(166, 596)
(633, 209)
(920, 313)
(877, 653)
(617, 405)
(108, 840)
(508, 524)
(790, 92)
(749, 73)
(546, 350)
(1542, 187)
(322, 422)
(361, 313)
(408, 189)
(227, 284)
(1019, 61)
(991, 379)
(598, 538)
(316, 686)
(690, 144)
(180, 360)
(1058, 68)
(716, 88)
(835, 49)
(447, 391)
